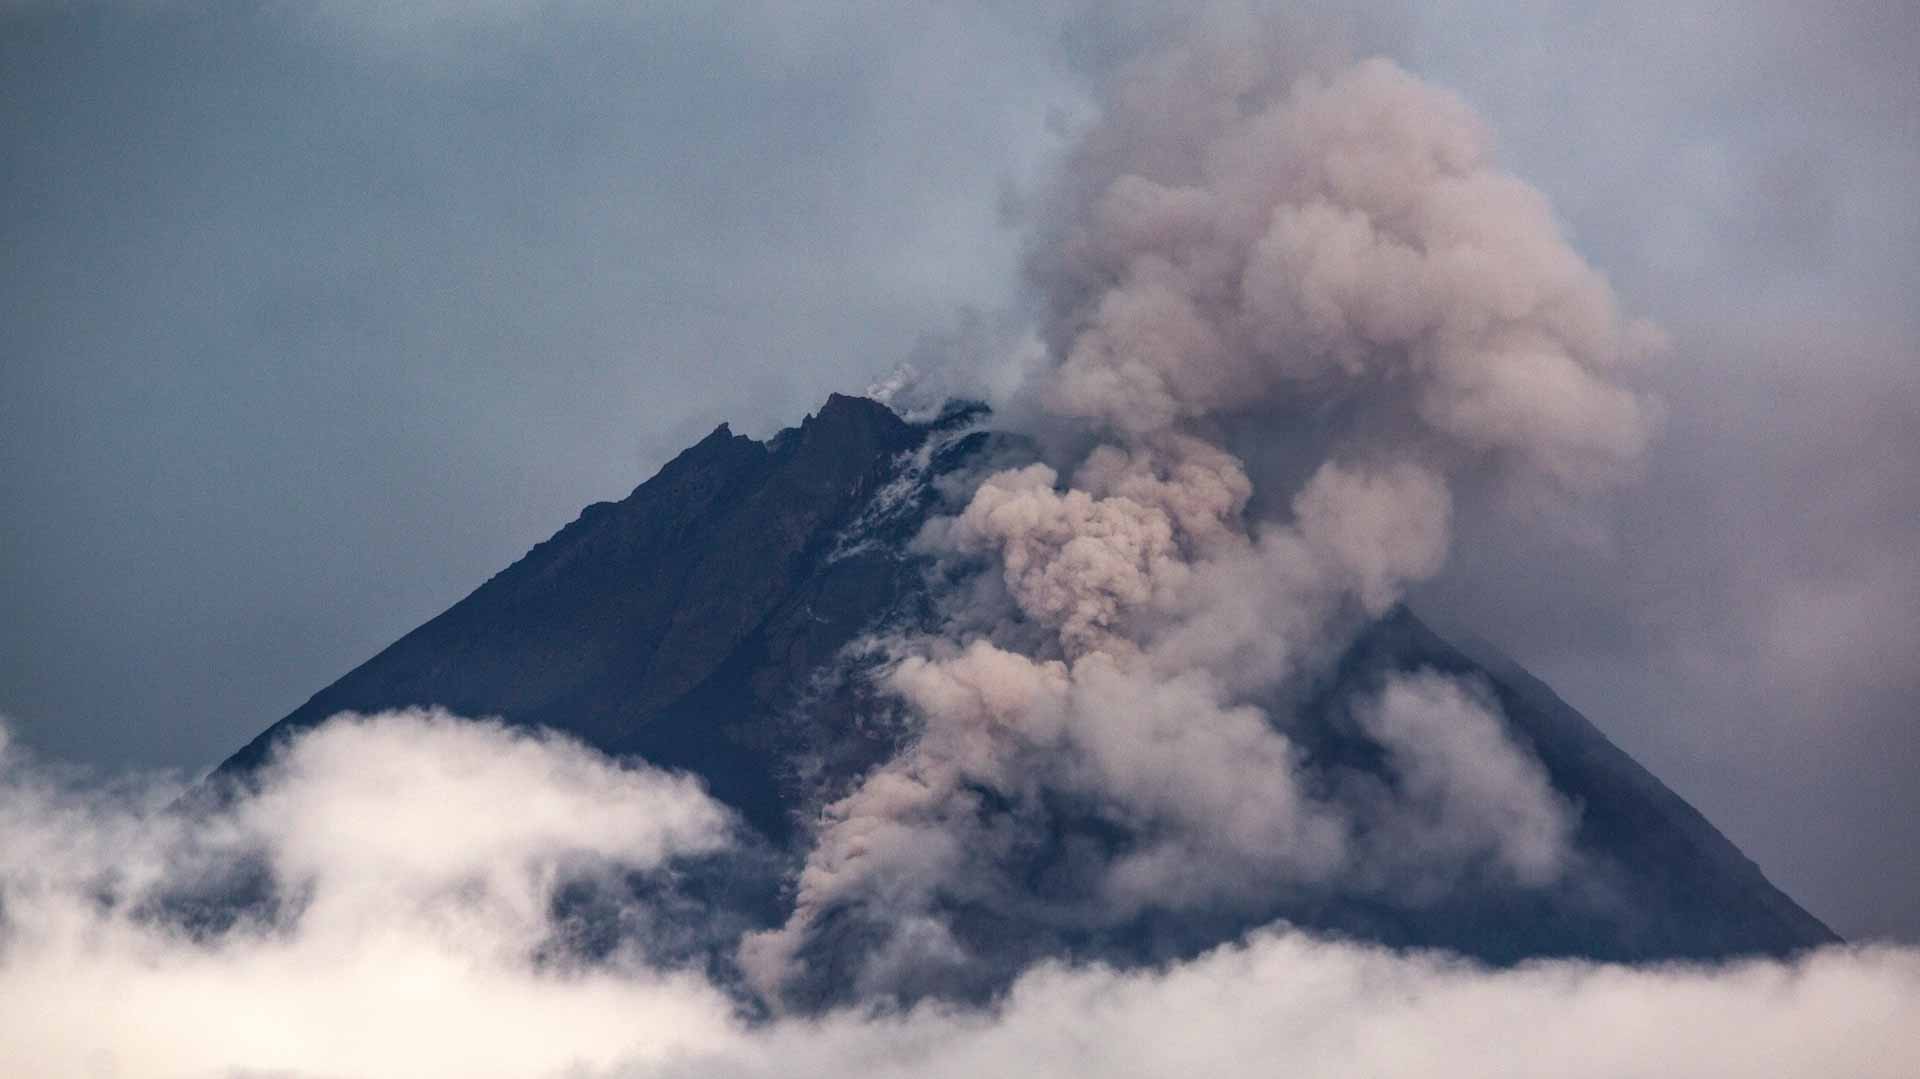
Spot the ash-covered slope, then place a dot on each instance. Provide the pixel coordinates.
(710, 622)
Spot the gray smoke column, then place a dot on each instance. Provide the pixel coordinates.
(1238, 237)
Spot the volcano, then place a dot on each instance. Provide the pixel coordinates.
(711, 622)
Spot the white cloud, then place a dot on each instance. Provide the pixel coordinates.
(441, 983)
(420, 852)
(1283, 1003)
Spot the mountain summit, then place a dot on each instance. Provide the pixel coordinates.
(713, 621)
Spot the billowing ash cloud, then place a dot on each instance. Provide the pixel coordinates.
(422, 850)
(1238, 238)
(1347, 238)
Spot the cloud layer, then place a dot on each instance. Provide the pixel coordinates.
(414, 951)
(417, 857)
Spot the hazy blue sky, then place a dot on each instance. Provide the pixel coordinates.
(315, 315)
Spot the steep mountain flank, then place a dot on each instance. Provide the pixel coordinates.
(711, 622)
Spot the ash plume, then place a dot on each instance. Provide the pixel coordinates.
(1240, 236)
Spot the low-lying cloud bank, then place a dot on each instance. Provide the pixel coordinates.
(417, 856)
(1285, 1003)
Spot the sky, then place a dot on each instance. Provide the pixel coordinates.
(318, 315)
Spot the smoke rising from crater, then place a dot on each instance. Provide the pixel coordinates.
(1238, 237)
(1350, 236)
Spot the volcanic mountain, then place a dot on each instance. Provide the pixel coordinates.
(712, 622)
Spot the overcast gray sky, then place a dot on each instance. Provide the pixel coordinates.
(317, 315)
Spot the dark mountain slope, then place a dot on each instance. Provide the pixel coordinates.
(704, 621)
(671, 624)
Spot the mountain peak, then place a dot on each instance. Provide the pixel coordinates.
(841, 404)
(842, 412)
(707, 623)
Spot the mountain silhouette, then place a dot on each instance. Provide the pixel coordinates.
(710, 622)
